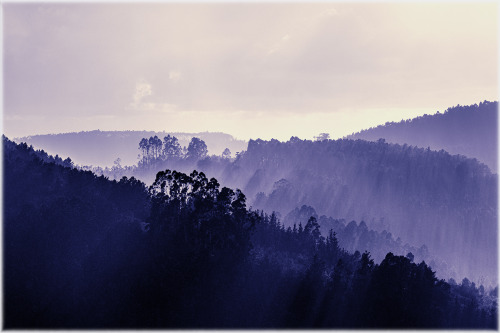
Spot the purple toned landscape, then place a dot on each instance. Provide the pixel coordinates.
(178, 166)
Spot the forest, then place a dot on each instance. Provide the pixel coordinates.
(82, 251)
(443, 204)
(469, 130)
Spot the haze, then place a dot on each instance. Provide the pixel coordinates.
(250, 70)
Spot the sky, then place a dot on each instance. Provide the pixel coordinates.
(254, 70)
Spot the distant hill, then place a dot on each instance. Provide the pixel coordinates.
(467, 130)
(102, 148)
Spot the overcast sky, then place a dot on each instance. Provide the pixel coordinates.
(251, 70)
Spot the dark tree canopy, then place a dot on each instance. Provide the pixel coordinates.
(171, 147)
(197, 149)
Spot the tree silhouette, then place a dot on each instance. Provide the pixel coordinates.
(171, 147)
(197, 149)
(226, 153)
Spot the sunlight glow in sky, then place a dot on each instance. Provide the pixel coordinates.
(251, 70)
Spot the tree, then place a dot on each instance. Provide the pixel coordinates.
(226, 153)
(312, 229)
(171, 147)
(322, 137)
(305, 305)
(68, 163)
(156, 145)
(144, 147)
(151, 150)
(197, 149)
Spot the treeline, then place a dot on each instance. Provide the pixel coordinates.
(353, 236)
(41, 154)
(154, 150)
(102, 148)
(470, 130)
(84, 252)
(157, 154)
(69, 238)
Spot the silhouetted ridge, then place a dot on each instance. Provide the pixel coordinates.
(470, 130)
(68, 237)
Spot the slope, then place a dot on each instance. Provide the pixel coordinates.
(467, 130)
(448, 202)
(75, 257)
(67, 235)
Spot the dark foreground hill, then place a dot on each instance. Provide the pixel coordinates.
(68, 236)
(102, 148)
(467, 130)
(84, 252)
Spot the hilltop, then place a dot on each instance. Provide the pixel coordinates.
(470, 130)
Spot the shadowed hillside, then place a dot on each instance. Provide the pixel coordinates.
(467, 130)
(448, 202)
(75, 256)
(445, 201)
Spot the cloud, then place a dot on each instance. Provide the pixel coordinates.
(330, 12)
(174, 75)
(141, 103)
(142, 89)
(152, 108)
(158, 107)
(277, 46)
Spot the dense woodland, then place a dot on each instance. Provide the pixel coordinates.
(353, 236)
(469, 130)
(81, 251)
(445, 204)
(157, 154)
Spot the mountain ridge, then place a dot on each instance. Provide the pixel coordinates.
(470, 130)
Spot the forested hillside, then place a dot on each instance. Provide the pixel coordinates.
(424, 197)
(470, 130)
(447, 202)
(68, 236)
(81, 251)
(158, 155)
(354, 236)
(103, 148)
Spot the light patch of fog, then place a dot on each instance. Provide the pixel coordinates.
(174, 75)
(142, 89)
